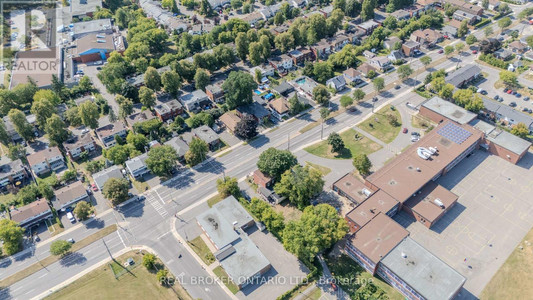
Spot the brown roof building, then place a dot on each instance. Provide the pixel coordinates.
(261, 179)
(375, 240)
(69, 195)
(46, 160)
(280, 107)
(430, 203)
(230, 120)
(32, 213)
(352, 188)
(379, 202)
(366, 68)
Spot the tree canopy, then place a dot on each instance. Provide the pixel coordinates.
(274, 162)
(116, 190)
(238, 89)
(60, 247)
(162, 160)
(299, 185)
(11, 234)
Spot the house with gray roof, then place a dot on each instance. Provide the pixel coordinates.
(254, 109)
(69, 195)
(215, 4)
(208, 135)
(179, 145)
(103, 176)
(138, 80)
(506, 114)
(338, 83)
(12, 172)
(84, 8)
(137, 166)
(283, 89)
(224, 224)
(459, 78)
(194, 101)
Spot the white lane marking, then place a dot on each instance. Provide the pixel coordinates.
(170, 261)
(29, 291)
(43, 275)
(159, 237)
(121, 239)
(163, 202)
(157, 206)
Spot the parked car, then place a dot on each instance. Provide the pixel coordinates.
(441, 51)
(415, 133)
(375, 99)
(474, 52)
(525, 98)
(404, 130)
(512, 104)
(518, 95)
(506, 90)
(71, 218)
(71, 240)
(398, 87)
(496, 97)
(94, 187)
(509, 91)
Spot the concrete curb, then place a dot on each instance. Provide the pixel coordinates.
(198, 259)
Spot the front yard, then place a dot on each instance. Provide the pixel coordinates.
(200, 247)
(380, 124)
(354, 144)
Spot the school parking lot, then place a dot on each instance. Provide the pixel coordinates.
(494, 212)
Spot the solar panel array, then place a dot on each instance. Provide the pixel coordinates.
(454, 133)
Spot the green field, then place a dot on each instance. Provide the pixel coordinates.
(323, 170)
(378, 125)
(352, 147)
(514, 279)
(199, 246)
(137, 284)
(219, 271)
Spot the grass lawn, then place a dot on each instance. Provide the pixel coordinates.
(352, 146)
(52, 259)
(379, 125)
(514, 279)
(101, 284)
(214, 200)
(315, 294)
(346, 270)
(289, 212)
(219, 271)
(140, 186)
(198, 245)
(7, 198)
(420, 122)
(309, 126)
(323, 170)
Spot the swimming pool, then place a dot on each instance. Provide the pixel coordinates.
(300, 81)
(258, 92)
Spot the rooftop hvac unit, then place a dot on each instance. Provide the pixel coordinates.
(366, 192)
(100, 41)
(439, 203)
(100, 36)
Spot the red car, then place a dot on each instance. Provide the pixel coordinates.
(474, 52)
(404, 130)
(509, 91)
(441, 51)
(94, 187)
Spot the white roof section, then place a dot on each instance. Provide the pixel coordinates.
(449, 110)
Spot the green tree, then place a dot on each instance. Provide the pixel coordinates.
(197, 152)
(404, 71)
(22, 127)
(509, 79)
(162, 277)
(116, 190)
(11, 234)
(346, 101)
(299, 185)
(367, 11)
(273, 220)
(488, 31)
(446, 92)
(48, 95)
(463, 29)
(83, 210)
(242, 45)
(171, 82)
(324, 113)
(471, 39)
(323, 71)
(228, 186)
(238, 89)
(112, 116)
(459, 47)
(162, 160)
(16, 151)
(73, 116)
(485, 4)
(279, 18)
(520, 130)
(137, 140)
(379, 84)
(426, 60)
(60, 247)
(201, 79)
(246, 128)
(358, 95)
(118, 154)
(448, 50)
(149, 261)
(170, 5)
(318, 228)
(336, 142)
(5, 138)
(146, 97)
(295, 106)
(42, 109)
(362, 164)
(125, 106)
(284, 42)
(56, 129)
(504, 23)
(266, 46)
(255, 53)
(321, 95)
(89, 114)
(274, 162)
(152, 79)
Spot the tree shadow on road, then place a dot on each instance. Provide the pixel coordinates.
(72, 259)
(95, 223)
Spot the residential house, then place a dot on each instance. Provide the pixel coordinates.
(493, 4)
(78, 144)
(106, 134)
(382, 63)
(266, 70)
(199, 29)
(390, 42)
(252, 18)
(503, 54)
(301, 55)
(462, 5)
(167, 107)
(280, 29)
(71, 194)
(369, 54)
(230, 120)
(96, 47)
(283, 89)
(298, 3)
(256, 110)
(100, 26)
(139, 117)
(46, 161)
(322, 49)
(459, 78)
(280, 108)
(163, 17)
(11, 173)
(427, 37)
(206, 134)
(395, 56)
(137, 166)
(450, 31)
(194, 101)
(103, 176)
(518, 47)
(215, 92)
(401, 14)
(461, 15)
(269, 195)
(410, 48)
(365, 69)
(270, 11)
(352, 76)
(326, 11)
(338, 42)
(216, 4)
(368, 26)
(31, 214)
(180, 146)
(305, 84)
(282, 63)
(338, 83)
(138, 80)
(10, 129)
(506, 114)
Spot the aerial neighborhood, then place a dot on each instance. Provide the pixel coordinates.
(235, 149)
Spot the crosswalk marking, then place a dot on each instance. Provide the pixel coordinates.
(157, 205)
